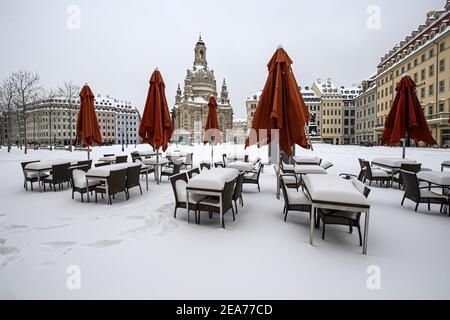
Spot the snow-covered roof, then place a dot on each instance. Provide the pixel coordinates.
(255, 96)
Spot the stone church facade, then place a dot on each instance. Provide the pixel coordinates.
(191, 105)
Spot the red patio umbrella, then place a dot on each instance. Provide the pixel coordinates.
(156, 126)
(280, 107)
(406, 119)
(212, 132)
(87, 130)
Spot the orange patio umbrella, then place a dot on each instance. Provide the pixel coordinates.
(212, 132)
(281, 107)
(156, 126)
(87, 130)
(406, 119)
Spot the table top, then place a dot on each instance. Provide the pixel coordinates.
(104, 171)
(47, 165)
(147, 153)
(435, 177)
(152, 161)
(309, 169)
(306, 159)
(241, 166)
(391, 162)
(333, 190)
(213, 179)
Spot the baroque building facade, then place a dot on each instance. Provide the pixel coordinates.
(425, 56)
(191, 105)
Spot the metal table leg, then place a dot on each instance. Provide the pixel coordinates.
(187, 205)
(366, 231)
(39, 180)
(311, 231)
(87, 189)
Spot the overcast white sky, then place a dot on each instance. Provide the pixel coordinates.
(119, 43)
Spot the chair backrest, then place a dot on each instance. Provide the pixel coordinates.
(109, 155)
(283, 188)
(121, 159)
(246, 158)
(284, 157)
(133, 176)
(100, 164)
(117, 180)
(361, 163)
(189, 158)
(411, 184)
(367, 168)
(205, 165)
(238, 187)
(78, 178)
(135, 156)
(411, 167)
(227, 194)
(24, 164)
(224, 159)
(178, 182)
(87, 163)
(61, 172)
(361, 187)
(176, 168)
(259, 168)
(193, 172)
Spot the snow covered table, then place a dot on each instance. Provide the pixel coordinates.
(102, 173)
(157, 163)
(393, 164)
(333, 192)
(109, 159)
(44, 166)
(309, 169)
(147, 154)
(241, 166)
(210, 183)
(436, 178)
(303, 160)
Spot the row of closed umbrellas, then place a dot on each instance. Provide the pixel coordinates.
(281, 108)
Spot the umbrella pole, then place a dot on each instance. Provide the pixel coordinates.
(277, 166)
(212, 155)
(89, 150)
(157, 166)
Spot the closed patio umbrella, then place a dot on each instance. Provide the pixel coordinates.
(87, 129)
(406, 119)
(156, 126)
(281, 107)
(212, 132)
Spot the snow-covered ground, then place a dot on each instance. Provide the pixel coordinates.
(136, 249)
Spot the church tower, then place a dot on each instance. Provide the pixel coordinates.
(200, 53)
(224, 93)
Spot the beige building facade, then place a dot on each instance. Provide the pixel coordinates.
(425, 56)
(366, 115)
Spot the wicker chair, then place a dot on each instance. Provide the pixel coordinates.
(377, 175)
(109, 155)
(116, 182)
(294, 200)
(193, 172)
(60, 174)
(252, 177)
(213, 205)
(411, 167)
(179, 182)
(237, 194)
(286, 167)
(31, 177)
(135, 156)
(78, 180)
(418, 194)
(223, 163)
(121, 159)
(133, 174)
(170, 171)
(346, 218)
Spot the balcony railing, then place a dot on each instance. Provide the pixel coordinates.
(440, 115)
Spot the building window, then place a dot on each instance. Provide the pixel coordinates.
(441, 107)
(431, 90)
(422, 75)
(415, 77)
(422, 58)
(441, 86)
(431, 70)
(442, 46)
(442, 65)
(431, 53)
(430, 110)
(422, 93)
